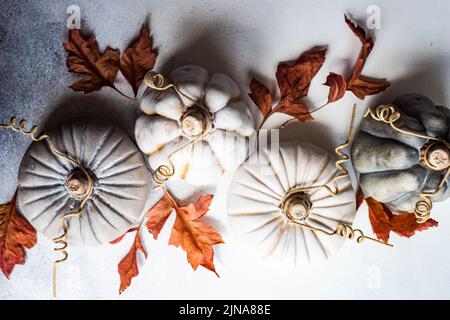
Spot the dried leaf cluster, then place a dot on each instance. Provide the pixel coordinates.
(99, 69)
(196, 238)
(294, 80)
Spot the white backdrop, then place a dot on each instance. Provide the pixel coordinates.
(241, 38)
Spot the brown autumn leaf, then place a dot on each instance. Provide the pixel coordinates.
(16, 234)
(294, 79)
(262, 97)
(383, 221)
(359, 198)
(128, 267)
(194, 237)
(84, 57)
(294, 109)
(359, 85)
(138, 59)
(337, 85)
(363, 87)
(359, 32)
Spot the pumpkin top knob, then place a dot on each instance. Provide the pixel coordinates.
(437, 156)
(77, 184)
(296, 206)
(195, 122)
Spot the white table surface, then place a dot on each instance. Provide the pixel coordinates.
(241, 38)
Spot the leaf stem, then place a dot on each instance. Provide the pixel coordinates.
(121, 93)
(310, 112)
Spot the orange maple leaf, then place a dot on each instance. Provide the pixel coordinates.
(194, 237)
(128, 267)
(404, 224)
(16, 234)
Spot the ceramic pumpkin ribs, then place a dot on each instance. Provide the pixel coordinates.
(402, 154)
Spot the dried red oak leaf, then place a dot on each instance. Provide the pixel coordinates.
(84, 57)
(128, 267)
(138, 59)
(295, 109)
(337, 85)
(262, 97)
(359, 85)
(383, 221)
(294, 79)
(16, 234)
(194, 237)
(363, 87)
(359, 32)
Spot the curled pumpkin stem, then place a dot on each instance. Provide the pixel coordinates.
(388, 114)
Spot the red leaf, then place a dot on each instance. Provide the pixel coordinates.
(383, 221)
(16, 234)
(294, 79)
(261, 97)
(378, 219)
(406, 225)
(356, 84)
(296, 110)
(84, 57)
(337, 85)
(128, 267)
(157, 216)
(138, 59)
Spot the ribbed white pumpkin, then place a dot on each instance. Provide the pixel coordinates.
(164, 127)
(120, 183)
(258, 189)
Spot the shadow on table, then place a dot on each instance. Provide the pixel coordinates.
(76, 106)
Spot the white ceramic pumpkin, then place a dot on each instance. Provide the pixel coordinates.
(258, 193)
(214, 118)
(114, 163)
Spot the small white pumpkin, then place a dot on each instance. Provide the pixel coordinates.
(215, 119)
(114, 163)
(258, 193)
